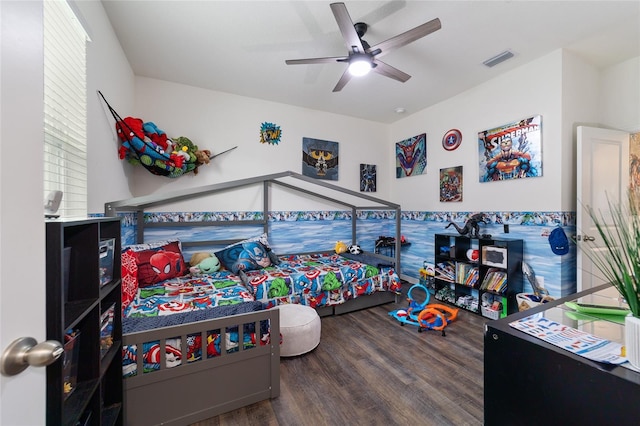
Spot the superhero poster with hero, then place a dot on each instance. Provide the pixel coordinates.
(511, 151)
(451, 184)
(411, 156)
(320, 159)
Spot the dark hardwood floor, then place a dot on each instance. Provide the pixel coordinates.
(370, 370)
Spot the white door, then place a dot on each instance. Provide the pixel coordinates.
(22, 232)
(602, 175)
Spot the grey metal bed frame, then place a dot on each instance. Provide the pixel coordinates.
(191, 392)
(195, 391)
(139, 204)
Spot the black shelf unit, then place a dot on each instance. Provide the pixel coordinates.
(486, 283)
(77, 300)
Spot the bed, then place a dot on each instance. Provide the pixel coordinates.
(198, 346)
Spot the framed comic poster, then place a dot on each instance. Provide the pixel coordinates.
(451, 184)
(320, 159)
(511, 151)
(368, 178)
(411, 156)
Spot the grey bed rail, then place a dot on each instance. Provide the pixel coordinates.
(332, 193)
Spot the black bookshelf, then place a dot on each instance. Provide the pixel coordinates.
(480, 275)
(85, 385)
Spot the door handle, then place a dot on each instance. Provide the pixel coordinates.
(26, 351)
(588, 238)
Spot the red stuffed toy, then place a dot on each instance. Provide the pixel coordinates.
(127, 129)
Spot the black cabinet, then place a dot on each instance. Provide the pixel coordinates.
(528, 381)
(84, 313)
(480, 275)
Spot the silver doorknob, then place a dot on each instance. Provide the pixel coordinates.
(588, 238)
(26, 351)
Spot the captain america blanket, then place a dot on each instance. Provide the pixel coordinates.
(317, 280)
(183, 294)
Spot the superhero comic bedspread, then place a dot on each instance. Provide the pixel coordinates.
(318, 280)
(186, 299)
(314, 280)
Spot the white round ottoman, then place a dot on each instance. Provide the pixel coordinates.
(300, 329)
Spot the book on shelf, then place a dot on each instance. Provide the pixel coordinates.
(495, 281)
(466, 274)
(445, 271)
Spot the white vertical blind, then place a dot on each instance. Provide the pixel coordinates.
(65, 108)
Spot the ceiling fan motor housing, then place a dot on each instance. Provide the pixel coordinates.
(361, 28)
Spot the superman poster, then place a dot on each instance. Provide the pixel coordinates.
(411, 156)
(511, 151)
(320, 159)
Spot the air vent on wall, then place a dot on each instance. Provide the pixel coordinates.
(498, 58)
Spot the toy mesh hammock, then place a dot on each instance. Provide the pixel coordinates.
(139, 150)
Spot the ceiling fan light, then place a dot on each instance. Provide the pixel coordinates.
(359, 67)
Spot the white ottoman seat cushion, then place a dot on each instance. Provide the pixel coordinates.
(300, 329)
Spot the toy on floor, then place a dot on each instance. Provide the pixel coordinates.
(425, 316)
(436, 317)
(410, 315)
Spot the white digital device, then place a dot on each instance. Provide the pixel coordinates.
(52, 204)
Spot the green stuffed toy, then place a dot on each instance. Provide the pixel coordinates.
(204, 263)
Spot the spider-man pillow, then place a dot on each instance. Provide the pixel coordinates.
(160, 263)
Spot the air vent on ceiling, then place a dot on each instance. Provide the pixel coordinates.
(498, 58)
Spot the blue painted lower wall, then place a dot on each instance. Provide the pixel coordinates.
(291, 232)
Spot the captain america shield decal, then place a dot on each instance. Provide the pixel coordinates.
(452, 139)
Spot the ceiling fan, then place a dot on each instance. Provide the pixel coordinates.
(363, 58)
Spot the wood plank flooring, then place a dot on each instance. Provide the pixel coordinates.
(370, 370)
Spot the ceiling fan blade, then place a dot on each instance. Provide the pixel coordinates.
(345, 24)
(346, 76)
(407, 37)
(389, 71)
(316, 60)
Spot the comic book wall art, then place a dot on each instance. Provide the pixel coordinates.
(320, 159)
(511, 151)
(411, 156)
(270, 133)
(368, 178)
(451, 184)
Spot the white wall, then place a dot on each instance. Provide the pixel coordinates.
(218, 121)
(108, 71)
(562, 88)
(620, 107)
(523, 92)
(581, 97)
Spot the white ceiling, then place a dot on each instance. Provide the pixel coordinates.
(240, 47)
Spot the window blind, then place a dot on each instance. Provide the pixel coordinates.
(65, 108)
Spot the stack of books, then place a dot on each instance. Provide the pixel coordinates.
(466, 274)
(495, 281)
(445, 271)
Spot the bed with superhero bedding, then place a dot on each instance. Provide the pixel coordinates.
(195, 345)
(214, 331)
(199, 340)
